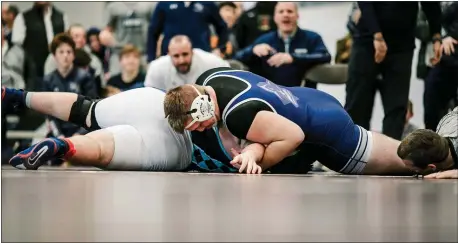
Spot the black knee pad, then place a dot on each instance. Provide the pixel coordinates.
(80, 110)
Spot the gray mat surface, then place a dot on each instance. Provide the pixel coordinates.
(73, 205)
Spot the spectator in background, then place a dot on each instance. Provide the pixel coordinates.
(126, 23)
(408, 126)
(131, 75)
(227, 10)
(34, 30)
(239, 9)
(284, 56)
(422, 34)
(4, 10)
(186, 18)
(182, 65)
(254, 23)
(246, 6)
(78, 34)
(353, 18)
(343, 50)
(67, 78)
(13, 60)
(383, 43)
(83, 61)
(344, 44)
(9, 14)
(99, 50)
(441, 83)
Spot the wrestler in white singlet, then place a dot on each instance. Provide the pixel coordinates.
(143, 138)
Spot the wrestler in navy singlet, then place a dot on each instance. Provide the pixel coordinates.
(331, 137)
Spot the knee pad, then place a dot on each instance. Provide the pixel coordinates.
(79, 111)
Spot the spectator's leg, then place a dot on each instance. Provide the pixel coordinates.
(454, 79)
(361, 85)
(440, 88)
(394, 90)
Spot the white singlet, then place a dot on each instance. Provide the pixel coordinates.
(143, 138)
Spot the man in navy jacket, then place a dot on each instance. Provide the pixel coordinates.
(284, 56)
(185, 18)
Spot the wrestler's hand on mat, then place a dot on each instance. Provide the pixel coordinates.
(263, 50)
(448, 174)
(279, 59)
(245, 161)
(380, 48)
(448, 45)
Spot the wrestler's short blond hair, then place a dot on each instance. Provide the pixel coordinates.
(177, 102)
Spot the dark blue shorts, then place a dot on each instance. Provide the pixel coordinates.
(348, 154)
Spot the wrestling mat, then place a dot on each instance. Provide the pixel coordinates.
(85, 204)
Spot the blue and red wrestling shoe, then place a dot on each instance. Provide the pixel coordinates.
(40, 153)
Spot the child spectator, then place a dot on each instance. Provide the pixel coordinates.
(131, 76)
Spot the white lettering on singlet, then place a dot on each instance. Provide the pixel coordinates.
(283, 94)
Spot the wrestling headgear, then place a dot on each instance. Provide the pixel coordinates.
(202, 108)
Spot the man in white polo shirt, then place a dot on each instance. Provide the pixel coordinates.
(182, 65)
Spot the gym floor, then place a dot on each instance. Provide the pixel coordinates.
(89, 205)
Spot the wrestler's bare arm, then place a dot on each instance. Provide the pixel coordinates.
(280, 134)
(257, 150)
(448, 174)
(247, 161)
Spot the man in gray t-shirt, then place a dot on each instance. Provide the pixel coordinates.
(126, 23)
(425, 151)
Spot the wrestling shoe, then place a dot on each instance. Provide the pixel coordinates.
(13, 100)
(39, 153)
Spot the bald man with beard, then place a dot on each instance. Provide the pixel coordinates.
(182, 65)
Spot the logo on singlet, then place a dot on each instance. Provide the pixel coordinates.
(283, 94)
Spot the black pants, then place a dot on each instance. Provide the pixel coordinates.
(362, 85)
(441, 87)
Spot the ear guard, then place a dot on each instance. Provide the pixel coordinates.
(202, 109)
